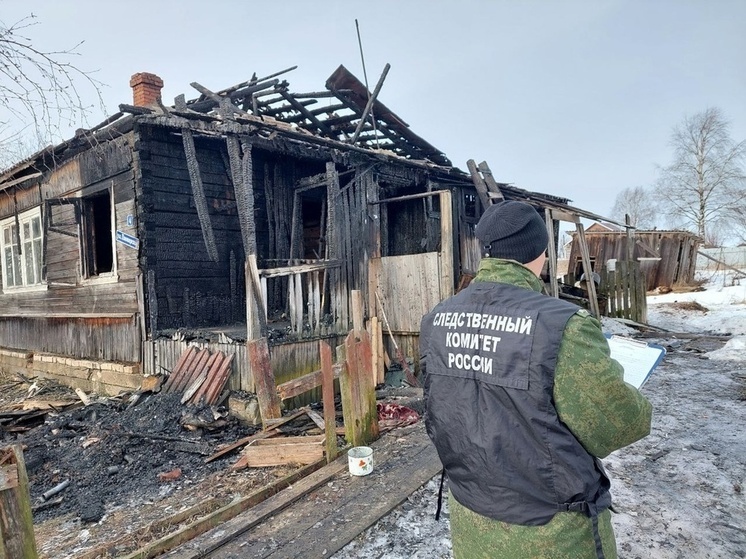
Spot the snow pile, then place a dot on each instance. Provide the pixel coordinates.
(734, 350)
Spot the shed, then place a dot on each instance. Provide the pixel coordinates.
(665, 257)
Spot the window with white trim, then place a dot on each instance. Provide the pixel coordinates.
(21, 250)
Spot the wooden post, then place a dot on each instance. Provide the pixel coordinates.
(552, 254)
(358, 391)
(327, 392)
(357, 309)
(479, 184)
(369, 105)
(264, 379)
(16, 521)
(198, 193)
(446, 245)
(585, 254)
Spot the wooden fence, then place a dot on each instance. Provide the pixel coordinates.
(624, 289)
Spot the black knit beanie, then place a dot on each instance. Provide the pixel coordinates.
(512, 230)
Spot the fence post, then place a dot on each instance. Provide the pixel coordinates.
(16, 521)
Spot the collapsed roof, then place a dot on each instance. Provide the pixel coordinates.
(347, 116)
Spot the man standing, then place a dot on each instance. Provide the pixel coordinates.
(522, 400)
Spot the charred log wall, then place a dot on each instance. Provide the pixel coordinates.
(186, 287)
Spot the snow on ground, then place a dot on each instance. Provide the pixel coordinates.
(678, 492)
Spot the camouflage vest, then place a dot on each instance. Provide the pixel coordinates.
(489, 354)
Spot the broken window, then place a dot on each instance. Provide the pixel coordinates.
(97, 240)
(472, 207)
(21, 241)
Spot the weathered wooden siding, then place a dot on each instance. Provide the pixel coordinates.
(677, 251)
(408, 287)
(72, 316)
(105, 338)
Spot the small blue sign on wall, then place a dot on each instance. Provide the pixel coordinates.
(127, 240)
(130, 220)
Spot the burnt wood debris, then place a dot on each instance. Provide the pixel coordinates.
(253, 250)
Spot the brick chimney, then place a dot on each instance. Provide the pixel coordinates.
(146, 89)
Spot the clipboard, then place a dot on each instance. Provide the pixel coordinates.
(637, 358)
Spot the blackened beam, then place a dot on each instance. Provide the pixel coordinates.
(112, 118)
(490, 181)
(135, 110)
(407, 197)
(317, 112)
(267, 109)
(247, 168)
(218, 128)
(254, 81)
(214, 99)
(369, 105)
(198, 192)
(317, 94)
(479, 184)
(401, 143)
(315, 180)
(301, 109)
(240, 189)
(344, 119)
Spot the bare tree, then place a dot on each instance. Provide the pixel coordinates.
(637, 202)
(736, 216)
(40, 89)
(706, 177)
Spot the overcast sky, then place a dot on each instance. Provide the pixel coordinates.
(571, 98)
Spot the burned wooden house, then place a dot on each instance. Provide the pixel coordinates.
(244, 213)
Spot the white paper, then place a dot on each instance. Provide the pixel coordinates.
(638, 358)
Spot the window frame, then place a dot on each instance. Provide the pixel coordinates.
(34, 242)
(87, 226)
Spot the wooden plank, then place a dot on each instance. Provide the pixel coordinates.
(157, 526)
(288, 490)
(256, 307)
(317, 419)
(315, 298)
(446, 246)
(348, 258)
(358, 309)
(300, 308)
(327, 391)
(298, 268)
(381, 352)
(299, 385)
(281, 451)
(479, 184)
(585, 255)
(554, 286)
(376, 353)
(292, 310)
(271, 431)
(312, 526)
(214, 386)
(264, 380)
(409, 287)
(369, 105)
(16, 521)
(358, 391)
(198, 192)
(190, 370)
(489, 179)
